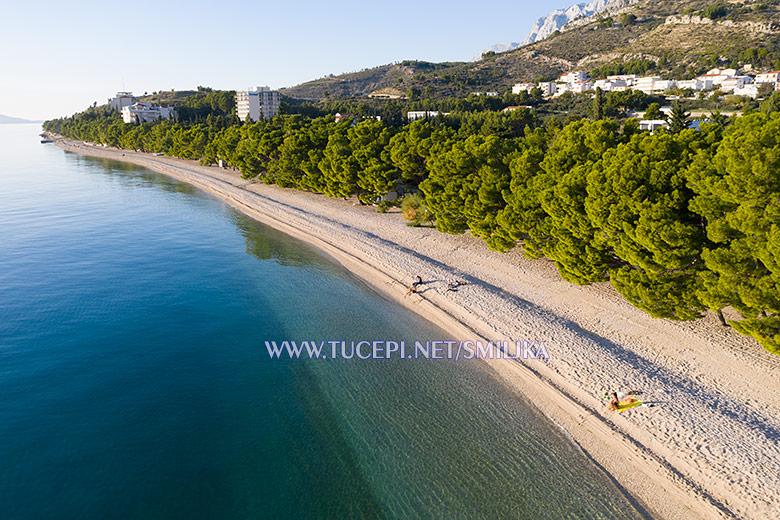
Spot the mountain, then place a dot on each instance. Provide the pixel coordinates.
(497, 48)
(678, 38)
(556, 20)
(8, 120)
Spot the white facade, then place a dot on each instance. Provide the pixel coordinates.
(548, 88)
(259, 103)
(714, 79)
(122, 100)
(652, 125)
(730, 84)
(628, 78)
(748, 90)
(610, 85)
(574, 77)
(146, 113)
(422, 114)
(768, 77)
(646, 85)
(693, 84)
(522, 87)
(580, 87)
(722, 72)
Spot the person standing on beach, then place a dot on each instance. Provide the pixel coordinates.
(413, 287)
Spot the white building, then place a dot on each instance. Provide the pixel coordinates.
(652, 125)
(548, 88)
(261, 102)
(722, 72)
(693, 84)
(730, 84)
(580, 86)
(628, 78)
(714, 79)
(610, 85)
(522, 87)
(146, 113)
(574, 77)
(768, 77)
(514, 107)
(422, 114)
(647, 84)
(748, 90)
(122, 100)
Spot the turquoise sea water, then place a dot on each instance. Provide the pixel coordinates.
(134, 382)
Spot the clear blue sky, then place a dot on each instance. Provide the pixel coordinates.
(58, 57)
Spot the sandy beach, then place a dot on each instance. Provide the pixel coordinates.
(709, 448)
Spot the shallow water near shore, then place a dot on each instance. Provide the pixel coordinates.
(135, 383)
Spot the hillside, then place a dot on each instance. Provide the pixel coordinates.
(8, 120)
(683, 38)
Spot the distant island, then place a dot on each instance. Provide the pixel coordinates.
(8, 120)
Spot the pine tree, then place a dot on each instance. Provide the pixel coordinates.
(678, 118)
(638, 199)
(738, 192)
(598, 104)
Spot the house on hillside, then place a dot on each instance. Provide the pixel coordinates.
(146, 113)
(513, 108)
(630, 79)
(580, 86)
(693, 84)
(423, 114)
(713, 79)
(664, 85)
(729, 84)
(768, 77)
(548, 88)
(122, 100)
(522, 87)
(339, 116)
(574, 77)
(652, 125)
(750, 91)
(646, 85)
(610, 85)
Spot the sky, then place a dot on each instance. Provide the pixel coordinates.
(58, 57)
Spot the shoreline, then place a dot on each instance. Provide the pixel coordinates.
(715, 453)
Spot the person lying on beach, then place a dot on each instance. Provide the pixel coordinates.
(614, 403)
(621, 395)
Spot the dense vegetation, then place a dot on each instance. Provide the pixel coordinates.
(679, 222)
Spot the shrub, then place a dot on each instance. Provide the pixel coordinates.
(383, 206)
(415, 212)
(715, 11)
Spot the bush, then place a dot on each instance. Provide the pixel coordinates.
(415, 212)
(384, 205)
(627, 19)
(715, 11)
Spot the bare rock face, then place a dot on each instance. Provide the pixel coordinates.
(756, 27)
(556, 20)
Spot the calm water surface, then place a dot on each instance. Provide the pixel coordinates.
(134, 382)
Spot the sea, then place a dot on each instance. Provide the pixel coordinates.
(136, 382)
